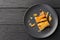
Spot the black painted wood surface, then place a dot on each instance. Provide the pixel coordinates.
(27, 3)
(12, 19)
(12, 16)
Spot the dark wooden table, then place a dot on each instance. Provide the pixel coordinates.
(12, 15)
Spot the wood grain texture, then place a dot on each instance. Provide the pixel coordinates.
(13, 32)
(12, 16)
(28, 3)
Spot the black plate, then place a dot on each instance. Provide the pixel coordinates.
(48, 31)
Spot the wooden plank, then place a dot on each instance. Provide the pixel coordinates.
(12, 28)
(13, 32)
(27, 3)
(12, 16)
